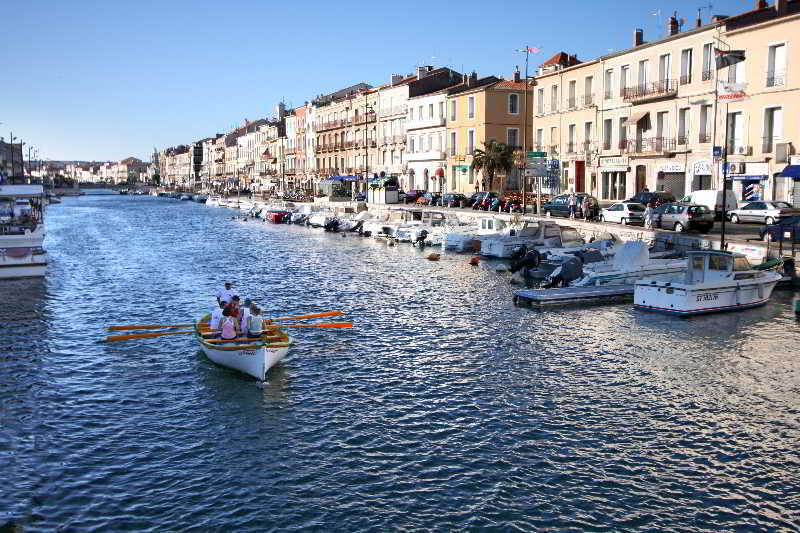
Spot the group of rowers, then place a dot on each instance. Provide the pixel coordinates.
(231, 320)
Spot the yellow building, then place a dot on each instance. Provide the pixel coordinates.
(479, 110)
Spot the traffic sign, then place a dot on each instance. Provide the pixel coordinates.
(532, 155)
(717, 151)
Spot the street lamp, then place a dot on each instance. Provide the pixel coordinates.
(367, 109)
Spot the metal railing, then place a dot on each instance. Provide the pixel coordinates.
(570, 148)
(777, 79)
(572, 103)
(643, 146)
(647, 91)
(686, 79)
(553, 148)
(588, 99)
(707, 75)
(607, 145)
(609, 94)
(704, 138)
(768, 143)
(683, 140)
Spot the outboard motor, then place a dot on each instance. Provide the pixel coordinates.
(333, 225)
(421, 238)
(566, 273)
(358, 227)
(530, 260)
(518, 252)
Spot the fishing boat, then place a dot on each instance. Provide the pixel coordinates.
(253, 357)
(533, 233)
(22, 231)
(278, 216)
(714, 281)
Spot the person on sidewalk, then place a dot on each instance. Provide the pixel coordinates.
(586, 208)
(573, 205)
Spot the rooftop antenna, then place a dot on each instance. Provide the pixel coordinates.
(657, 14)
(709, 7)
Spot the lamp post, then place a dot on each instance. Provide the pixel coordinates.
(367, 109)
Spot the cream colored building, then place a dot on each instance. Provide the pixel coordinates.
(649, 117)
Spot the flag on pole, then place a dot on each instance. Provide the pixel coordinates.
(529, 50)
(726, 58)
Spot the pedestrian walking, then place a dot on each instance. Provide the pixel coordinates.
(573, 205)
(586, 207)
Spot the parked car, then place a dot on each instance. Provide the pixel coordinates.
(712, 199)
(623, 213)
(763, 212)
(681, 216)
(652, 198)
(410, 196)
(558, 206)
(787, 230)
(484, 200)
(428, 198)
(452, 199)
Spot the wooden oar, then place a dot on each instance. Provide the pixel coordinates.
(315, 315)
(144, 335)
(266, 320)
(328, 325)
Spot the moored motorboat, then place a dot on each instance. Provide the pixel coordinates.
(533, 233)
(22, 231)
(253, 357)
(714, 281)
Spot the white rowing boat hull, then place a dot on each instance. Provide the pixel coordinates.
(253, 358)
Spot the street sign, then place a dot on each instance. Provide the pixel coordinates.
(532, 155)
(717, 151)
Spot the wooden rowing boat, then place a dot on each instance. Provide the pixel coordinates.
(251, 356)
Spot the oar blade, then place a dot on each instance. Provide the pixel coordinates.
(302, 317)
(115, 338)
(148, 326)
(323, 325)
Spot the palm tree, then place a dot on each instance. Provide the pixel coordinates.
(496, 157)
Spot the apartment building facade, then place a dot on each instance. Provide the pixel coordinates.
(650, 117)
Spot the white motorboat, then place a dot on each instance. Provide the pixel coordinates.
(200, 198)
(433, 223)
(629, 264)
(463, 239)
(533, 233)
(22, 231)
(213, 200)
(714, 281)
(254, 357)
(186, 198)
(320, 219)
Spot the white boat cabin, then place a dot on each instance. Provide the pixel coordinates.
(716, 266)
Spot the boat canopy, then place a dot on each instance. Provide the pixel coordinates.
(21, 191)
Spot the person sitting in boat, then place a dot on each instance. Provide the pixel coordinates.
(255, 324)
(226, 294)
(244, 313)
(216, 316)
(234, 308)
(228, 325)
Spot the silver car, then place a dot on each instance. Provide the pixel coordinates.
(763, 212)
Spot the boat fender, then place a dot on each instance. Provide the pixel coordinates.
(474, 261)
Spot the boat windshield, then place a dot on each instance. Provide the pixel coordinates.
(741, 263)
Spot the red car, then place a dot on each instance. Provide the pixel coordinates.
(411, 196)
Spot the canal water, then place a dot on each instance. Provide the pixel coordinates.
(445, 409)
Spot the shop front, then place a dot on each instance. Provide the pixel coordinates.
(701, 176)
(791, 177)
(613, 178)
(671, 178)
(749, 181)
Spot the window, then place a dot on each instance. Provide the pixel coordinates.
(452, 143)
(430, 110)
(513, 104)
(540, 102)
(553, 136)
(735, 132)
(624, 79)
(539, 139)
(736, 72)
(411, 144)
(643, 66)
(452, 110)
(776, 65)
(587, 135)
(470, 141)
(705, 124)
(608, 82)
(441, 109)
(471, 107)
(623, 132)
(571, 103)
(554, 98)
(608, 125)
(420, 112)
(512, 136)
(588, 90)
(686, 66)
(662, 130)
(773, 127)
(708, 61)
(683, 125)
(664, 67)
(571, 139)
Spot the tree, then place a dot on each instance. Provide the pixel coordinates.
(495, 157)
(156, 179)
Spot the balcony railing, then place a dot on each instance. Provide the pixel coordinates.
(686, 79)
(777, 79)
(768, 143)
(653, 145)
(606, 145)
(572, 103)
(704, 138)
(683, 140)
(588, 99)
(396, 110)
(650, 91)
(360, 119)
(538, 148)
(570, 148)
(553, 148)
(707, 75)
(609, 94)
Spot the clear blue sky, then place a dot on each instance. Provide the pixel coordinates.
(106, 80)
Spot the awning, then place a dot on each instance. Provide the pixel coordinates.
(636, 117)
(344, 178)
(792, 171)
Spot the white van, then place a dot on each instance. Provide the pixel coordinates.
(712, 199)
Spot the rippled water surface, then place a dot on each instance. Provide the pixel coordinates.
(445, 409)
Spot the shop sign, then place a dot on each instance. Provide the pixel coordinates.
(701, 168)
(671, 167)
(731, 91)
(614, 161)
(757, 169)
(794, 159)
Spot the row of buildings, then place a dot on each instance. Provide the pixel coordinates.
(128, 170)
(659, 115)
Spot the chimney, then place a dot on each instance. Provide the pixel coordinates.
(395, 79)
(423, 71)
(515, 76)
(699, 22)
(780, 7)
(718, 18)
(673, 24)
(761, 4)
(638, 37)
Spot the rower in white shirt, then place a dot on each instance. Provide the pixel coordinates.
(245, 314)
(216, 316)
(225, 295)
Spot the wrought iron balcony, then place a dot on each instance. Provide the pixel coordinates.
(768, 143)
(707, 75)
(777, 79)
(650, 91)
(704, 138)
(647, 146)
(683, 140)
(588, 99)
(686, 79)
(572, 103)
(570, 148)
